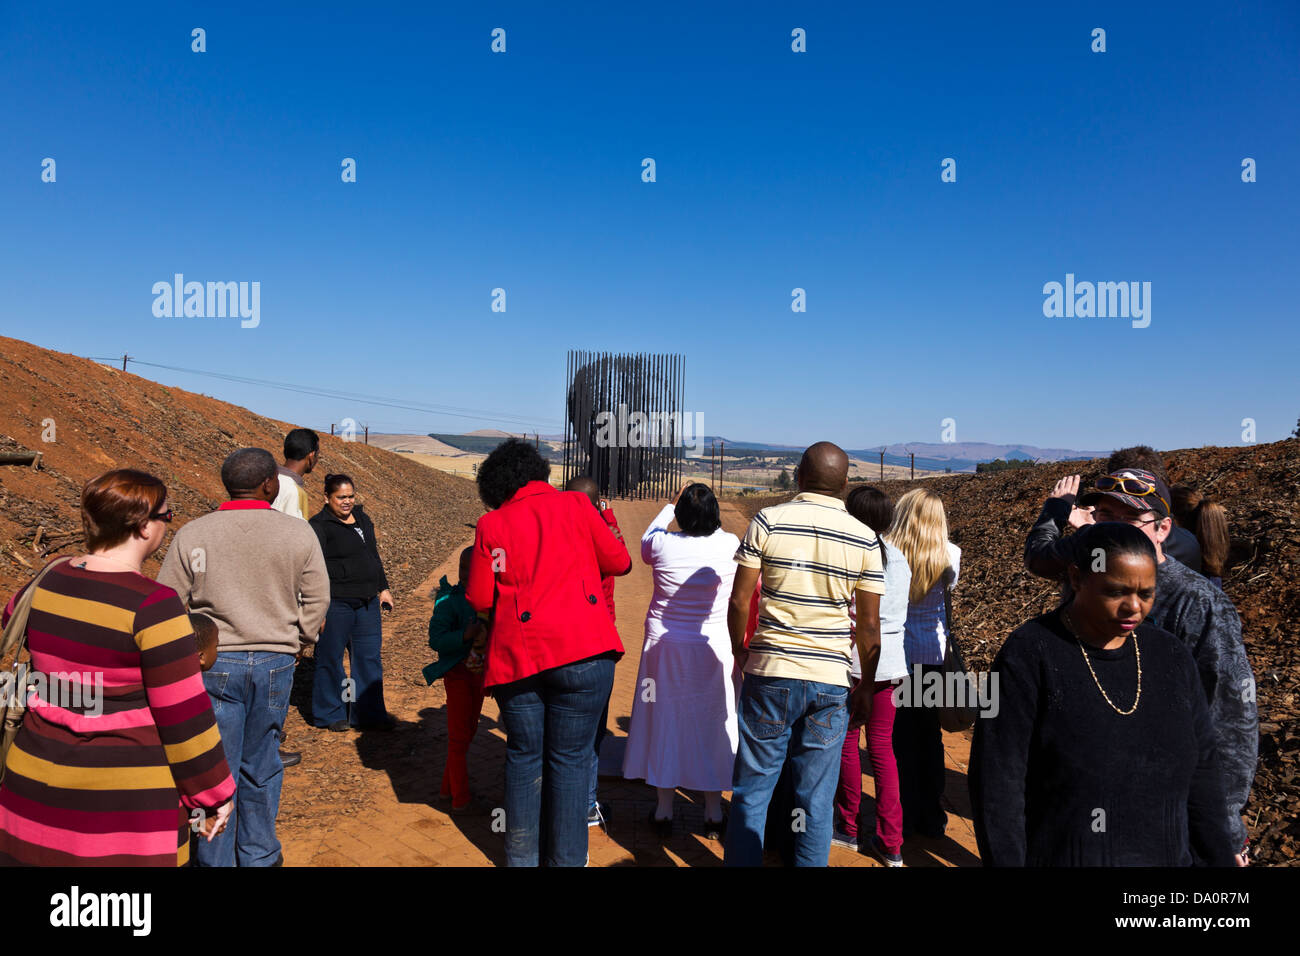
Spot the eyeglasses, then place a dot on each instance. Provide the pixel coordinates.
(165, 516)
(1107, 515)
(1137, 487)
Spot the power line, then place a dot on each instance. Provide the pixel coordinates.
(474, 414)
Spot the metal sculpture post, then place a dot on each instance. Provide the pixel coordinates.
(623, 422)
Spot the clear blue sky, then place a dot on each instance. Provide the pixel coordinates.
(775, 170)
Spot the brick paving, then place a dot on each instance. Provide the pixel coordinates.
(365, 799)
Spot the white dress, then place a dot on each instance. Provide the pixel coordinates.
(683, 731)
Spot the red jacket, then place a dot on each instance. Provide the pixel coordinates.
(538, 561)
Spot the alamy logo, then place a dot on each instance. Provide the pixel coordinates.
(215, 300)
(1120, 300)
(622, 428)
(74, 908)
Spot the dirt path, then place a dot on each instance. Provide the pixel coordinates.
(365, 798)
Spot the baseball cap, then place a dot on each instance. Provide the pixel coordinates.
(1134, 487)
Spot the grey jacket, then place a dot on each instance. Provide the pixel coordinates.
(1201, 616)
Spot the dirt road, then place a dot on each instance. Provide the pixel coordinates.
(366, 798)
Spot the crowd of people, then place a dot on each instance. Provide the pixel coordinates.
(1125, 731)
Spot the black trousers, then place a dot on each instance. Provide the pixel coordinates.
(918, 748)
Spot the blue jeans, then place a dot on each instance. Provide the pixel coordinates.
(359, 631)
(249, 691)
(782, 719)
(550, 720)
(601, 733)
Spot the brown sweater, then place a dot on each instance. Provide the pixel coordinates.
(246, 567)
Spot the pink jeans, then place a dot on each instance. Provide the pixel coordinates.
(880, 750)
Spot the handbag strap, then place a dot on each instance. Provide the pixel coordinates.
(15, 632)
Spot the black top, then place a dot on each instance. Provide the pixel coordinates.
(351, 559)
(1058, 778)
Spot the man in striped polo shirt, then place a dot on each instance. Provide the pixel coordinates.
(814, 558)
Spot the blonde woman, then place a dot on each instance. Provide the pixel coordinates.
(920, 532)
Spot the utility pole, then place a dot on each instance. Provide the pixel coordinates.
(331, 429)
(882, 464)
(721, 455)
(367, 428)
(712, 448)
(913, 454)
(125, 359)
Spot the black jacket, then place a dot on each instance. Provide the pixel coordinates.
(351, 559)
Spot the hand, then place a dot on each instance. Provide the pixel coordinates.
(680, 490)
(1067, 487)
(386, 597)
(475, 663)
(1079, 517)
(860, 704)
(476, 636)
(216, 823)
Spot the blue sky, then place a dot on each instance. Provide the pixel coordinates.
(775, 170)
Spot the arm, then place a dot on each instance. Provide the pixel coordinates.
(999, 764)
(372, 541)
(653, 538)
(1212, 842)
(867, 638)
(179, 703)
(480, 591)
(314, 595)
(1046, 552)
(175, 571)
(447, 627)
(1230, 691)
(611, 553)
(742, 590)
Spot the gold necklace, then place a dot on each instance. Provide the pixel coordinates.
(1069, 626)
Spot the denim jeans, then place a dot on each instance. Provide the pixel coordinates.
(780, 719)
(550, 720)
(249, 691)
(602, 731)
(359, 631)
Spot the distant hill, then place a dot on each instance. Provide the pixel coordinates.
(930, 456)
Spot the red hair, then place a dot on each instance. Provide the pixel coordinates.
(118, 503)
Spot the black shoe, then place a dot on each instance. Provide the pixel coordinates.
(338, 726)
(290, 759)
(661, 828)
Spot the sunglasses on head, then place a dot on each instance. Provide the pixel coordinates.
(1137, 487)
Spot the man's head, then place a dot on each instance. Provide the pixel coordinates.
(302, 446)
(1135, 497)
(250, 473)
(823, 469)
(1137, 456)
(587, 486)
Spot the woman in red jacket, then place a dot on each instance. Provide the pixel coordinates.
(539, 555)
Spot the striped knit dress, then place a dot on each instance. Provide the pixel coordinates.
(113, 788)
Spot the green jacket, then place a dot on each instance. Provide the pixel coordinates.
(451, 615)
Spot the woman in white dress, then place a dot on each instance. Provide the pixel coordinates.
(683, 731)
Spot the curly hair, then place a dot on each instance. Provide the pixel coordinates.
(512, 464)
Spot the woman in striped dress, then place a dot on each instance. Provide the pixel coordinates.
(119, 747)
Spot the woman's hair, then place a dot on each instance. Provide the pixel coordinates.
(1205, 518)
(873, 508)
(697, 511)
(334, 482)
(512, 464)
(920, 531)
(118, 503)
(1112, 539)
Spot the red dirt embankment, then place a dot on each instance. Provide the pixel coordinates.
(100, 418)
(990, 515)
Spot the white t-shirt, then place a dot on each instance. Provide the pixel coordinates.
(892, 664)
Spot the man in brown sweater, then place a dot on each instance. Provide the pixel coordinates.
(246, 566)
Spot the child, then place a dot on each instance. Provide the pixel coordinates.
(451, 615)
(588, 487)
(205, 633)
